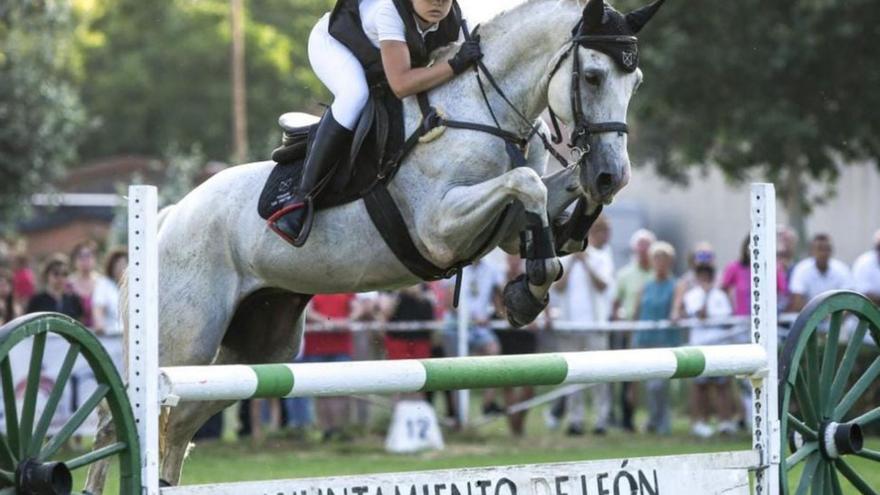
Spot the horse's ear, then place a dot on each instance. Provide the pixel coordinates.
(637, 19)
(594, 13)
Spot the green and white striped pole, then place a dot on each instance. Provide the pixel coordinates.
(237, 382)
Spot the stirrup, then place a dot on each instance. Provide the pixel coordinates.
(304, 230)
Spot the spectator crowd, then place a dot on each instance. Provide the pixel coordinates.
(85, 285)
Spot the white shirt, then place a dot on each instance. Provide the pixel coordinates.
(581, 301)
(716, 303)
(478, 285)
(866, 272)
(809, 282)
(106, 296)
(382, 22)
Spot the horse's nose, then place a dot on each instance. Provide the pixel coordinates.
(606, 185)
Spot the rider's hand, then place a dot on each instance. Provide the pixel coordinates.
(467, 55)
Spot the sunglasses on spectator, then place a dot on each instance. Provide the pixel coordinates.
(59, 273)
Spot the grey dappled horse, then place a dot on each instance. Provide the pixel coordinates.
(232, 291)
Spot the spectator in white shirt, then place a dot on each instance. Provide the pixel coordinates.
(818, 274)
(866, 271)
(585, 295)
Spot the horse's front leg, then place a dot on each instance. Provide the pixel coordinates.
(468, 209)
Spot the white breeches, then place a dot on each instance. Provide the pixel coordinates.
(341, 72)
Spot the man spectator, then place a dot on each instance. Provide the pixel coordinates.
(818, 273)
(629, 283)
(585, 291)
(866, 271)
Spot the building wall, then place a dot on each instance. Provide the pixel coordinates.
(711, 209)
(62, 239)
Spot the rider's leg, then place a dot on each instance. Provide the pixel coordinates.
(343, 75)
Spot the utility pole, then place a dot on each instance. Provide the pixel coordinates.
(239, 102)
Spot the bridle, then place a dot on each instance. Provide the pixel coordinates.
(579, 140)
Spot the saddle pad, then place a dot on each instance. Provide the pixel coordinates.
(377, 143)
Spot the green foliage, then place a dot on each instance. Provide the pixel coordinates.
(156, 74)
(40, 112)
(786, 88)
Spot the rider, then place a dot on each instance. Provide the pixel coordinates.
(403, 32)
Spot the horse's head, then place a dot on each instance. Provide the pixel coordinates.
(591, 83)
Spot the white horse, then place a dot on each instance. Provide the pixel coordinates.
(232, 291)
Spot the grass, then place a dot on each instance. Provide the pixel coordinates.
(282, 456)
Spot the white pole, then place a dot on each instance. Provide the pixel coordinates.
(765, 417)
(463, 397)
(142, 356)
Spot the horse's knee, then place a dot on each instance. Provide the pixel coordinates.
(527, 186)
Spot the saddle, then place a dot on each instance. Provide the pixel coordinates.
(376, 150)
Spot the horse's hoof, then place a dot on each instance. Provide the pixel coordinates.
(522, 307)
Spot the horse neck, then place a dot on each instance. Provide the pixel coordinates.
(519, 46)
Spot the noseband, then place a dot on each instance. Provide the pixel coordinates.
(579, 140)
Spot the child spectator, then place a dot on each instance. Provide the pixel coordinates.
(708, 394)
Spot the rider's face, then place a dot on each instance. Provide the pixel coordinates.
(432, 11)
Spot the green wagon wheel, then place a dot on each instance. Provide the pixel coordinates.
(825, 406)
(30, 459)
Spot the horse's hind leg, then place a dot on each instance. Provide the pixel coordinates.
(266, 328)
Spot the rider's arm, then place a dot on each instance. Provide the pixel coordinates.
(403, 78)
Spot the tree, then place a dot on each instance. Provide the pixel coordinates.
(787, 89)
(156, 74)
(42, 118)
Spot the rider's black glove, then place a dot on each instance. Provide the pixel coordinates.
(467, 55)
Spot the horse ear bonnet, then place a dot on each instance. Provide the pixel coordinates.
(604, 29)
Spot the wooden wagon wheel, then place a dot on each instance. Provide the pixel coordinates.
(29, 457)
(820, 427)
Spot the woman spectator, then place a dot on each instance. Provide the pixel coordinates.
(9, 307)
(105, 299)
(737, 281)
(655, 304)
(84, 277)
(55, 295)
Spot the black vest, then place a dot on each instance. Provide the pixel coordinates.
(346, 27)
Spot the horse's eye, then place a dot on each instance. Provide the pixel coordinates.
(593, 79)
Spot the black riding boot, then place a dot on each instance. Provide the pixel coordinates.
(293, 222)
